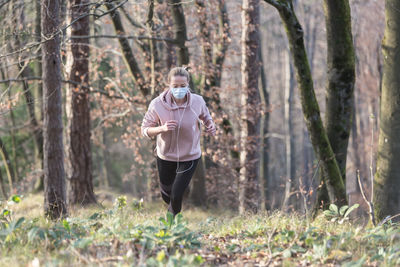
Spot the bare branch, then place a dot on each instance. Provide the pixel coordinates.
(111, 115)
(61, 30)
(131, 20)
(170, 40)
(105, 93)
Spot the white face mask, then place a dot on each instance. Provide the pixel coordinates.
(179, 92)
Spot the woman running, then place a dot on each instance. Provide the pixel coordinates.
(174, 118)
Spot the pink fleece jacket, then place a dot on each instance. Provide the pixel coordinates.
(170, 146)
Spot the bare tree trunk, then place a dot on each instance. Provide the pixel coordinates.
(341, 73)
(153, 48)
(78, 147)
(319, 138)
(179, 31)
(39, 93)
(264, 158)
(289, 134)
(386, 197)
(249, 192)
(54, 177)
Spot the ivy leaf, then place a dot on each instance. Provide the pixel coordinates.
(355, 206)
(334, 208)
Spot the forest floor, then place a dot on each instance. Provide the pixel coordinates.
(127, 232)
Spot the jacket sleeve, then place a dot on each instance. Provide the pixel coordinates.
(150, 119)
(204, 113)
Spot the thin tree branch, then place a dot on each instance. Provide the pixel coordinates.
(61, 30)
(170, 40)
(131, 20)
(105, 93)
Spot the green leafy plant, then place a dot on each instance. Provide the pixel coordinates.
(120, 202)
(339, 215)
(8, 224)
(137, 204)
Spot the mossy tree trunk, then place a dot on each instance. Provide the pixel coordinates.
(341, 79)
(311, 112)
(387, 179)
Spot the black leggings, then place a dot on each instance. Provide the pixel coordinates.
(173, 183)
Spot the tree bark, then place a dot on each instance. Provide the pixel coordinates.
(249, 192)
(289, 134)
(179, 28)
(341, 79)
(39, 92)
(54, 177)
(319, 138)
(78, 147)
(264, 157)
(386, 197)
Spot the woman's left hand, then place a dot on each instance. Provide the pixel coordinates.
(210, 128)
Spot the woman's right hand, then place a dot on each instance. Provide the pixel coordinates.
(169, 125)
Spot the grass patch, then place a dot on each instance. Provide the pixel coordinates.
(127, 232)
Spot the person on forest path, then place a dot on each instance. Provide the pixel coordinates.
(173, 117)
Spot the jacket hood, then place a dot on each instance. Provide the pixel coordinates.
(168, 103)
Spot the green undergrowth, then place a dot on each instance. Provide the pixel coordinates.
(128, 232)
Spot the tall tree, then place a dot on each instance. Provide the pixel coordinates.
(319, 138)
(39, 87)
(289, 131)
(341, 79)
(387, 179)
(264, 156)
(249, 192)
(78, 149)
(54, 177)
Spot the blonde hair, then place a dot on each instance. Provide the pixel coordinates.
(179, 71)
